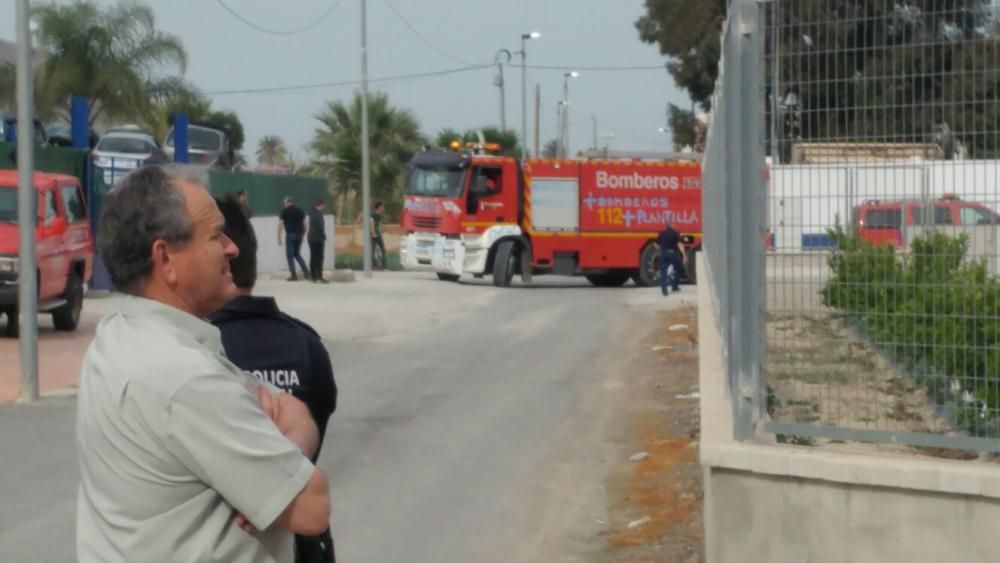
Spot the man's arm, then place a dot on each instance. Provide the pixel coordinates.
(217, 429)
(293, 419)
(309, 513)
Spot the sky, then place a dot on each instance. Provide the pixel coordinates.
(226, 54)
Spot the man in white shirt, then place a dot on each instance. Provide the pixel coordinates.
(183, 457)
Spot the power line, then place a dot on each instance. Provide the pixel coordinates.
(594, 68)
(322, 85)
(296, 31)
(426, 41)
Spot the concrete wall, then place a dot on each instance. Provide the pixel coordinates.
(772, 503)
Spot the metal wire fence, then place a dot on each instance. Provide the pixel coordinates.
(883, 297)
(880, 121)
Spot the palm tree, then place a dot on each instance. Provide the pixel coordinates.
(336, 150)
(271, 151)
(551, 149)
(115, 57)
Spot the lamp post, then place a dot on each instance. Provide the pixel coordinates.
(500, 84)
(564, 130)
(664, 130)
(366, 188)
(524, 84)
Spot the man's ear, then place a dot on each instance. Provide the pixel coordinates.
(163, 261)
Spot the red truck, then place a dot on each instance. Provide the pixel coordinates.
(479, 214)
(64, 249)
(886, 222)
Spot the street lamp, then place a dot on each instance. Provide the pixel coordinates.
(524, 86)
(564, 130)
(500, 84)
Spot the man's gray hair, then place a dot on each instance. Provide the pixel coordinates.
(143, 207)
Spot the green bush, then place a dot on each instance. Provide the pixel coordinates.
(934, 312)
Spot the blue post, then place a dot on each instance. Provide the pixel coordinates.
(79, 112)
(11, 132)
(181, 138)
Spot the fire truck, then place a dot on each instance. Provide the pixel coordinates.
(473, 212)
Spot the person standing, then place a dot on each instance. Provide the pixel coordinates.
(292, 222)
(378, 241)
(671, 257)
(183, 457)
(244, 200)
(316, 235)
(277, 349)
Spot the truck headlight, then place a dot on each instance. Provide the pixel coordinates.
(8, 265)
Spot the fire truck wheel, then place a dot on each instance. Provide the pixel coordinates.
(504, 263)
(649, 266)
(449, 277)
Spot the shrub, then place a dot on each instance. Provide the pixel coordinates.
(936, 313)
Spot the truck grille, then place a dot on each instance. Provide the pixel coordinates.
(427, 222)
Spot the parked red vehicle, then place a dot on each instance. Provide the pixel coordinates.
(885, 222)
(64, 247)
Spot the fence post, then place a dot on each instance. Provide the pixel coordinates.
(181, 154)
(747, 217)
(80, 122)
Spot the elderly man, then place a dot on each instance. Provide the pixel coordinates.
(183, 457)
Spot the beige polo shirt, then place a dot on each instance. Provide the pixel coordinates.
(172, 442)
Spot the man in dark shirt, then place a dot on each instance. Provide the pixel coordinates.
(292, 222)
(378, 243)
(316, 234)
(672, 257)
(276, 348)
(244, 200)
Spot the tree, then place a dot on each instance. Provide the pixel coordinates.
(890, 72)
(271, 151)
(551, 149)
(507, 140)
(901, 71)
(685, 128)
(114, 56)
(336, 151)
(687, 32)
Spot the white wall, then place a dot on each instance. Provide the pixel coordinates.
(807, 199)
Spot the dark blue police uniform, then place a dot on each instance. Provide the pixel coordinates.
(281, 350)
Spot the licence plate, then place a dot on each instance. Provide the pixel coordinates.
(423, 250)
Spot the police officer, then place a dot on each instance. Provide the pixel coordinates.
(277, 349)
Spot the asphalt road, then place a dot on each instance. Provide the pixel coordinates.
(449, 396)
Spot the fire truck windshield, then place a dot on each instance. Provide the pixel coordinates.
(436, 181)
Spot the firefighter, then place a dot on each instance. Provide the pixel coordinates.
(277, 349)
(671, 257)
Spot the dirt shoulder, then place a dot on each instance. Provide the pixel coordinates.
(622, 482)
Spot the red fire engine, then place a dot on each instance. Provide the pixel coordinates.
(480, 214)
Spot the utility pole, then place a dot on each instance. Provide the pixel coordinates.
(500, 84)
(564, 130)
(524, 85)
(27, 210)
(366, 187)
(538, 118)
(593, 118)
